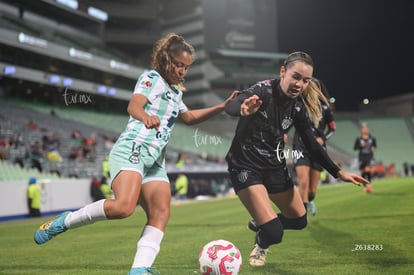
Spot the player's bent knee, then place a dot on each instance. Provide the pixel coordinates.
(302, 222)
(125, 210)
(296, 223)
(269, 233)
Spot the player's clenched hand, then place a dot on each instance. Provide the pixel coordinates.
(349, 177)
(151, 122)
(250, 105)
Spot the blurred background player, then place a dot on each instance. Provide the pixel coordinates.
(308, 171)
(366, 144)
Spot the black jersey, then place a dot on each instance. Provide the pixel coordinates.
(365, 146)
(326, 123)
(258, 143)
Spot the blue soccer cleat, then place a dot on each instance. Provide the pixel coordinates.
(50, 229)
(312, 208)
(143, 271)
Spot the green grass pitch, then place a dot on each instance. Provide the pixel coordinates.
(347, 219)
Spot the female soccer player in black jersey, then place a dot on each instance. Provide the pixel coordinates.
(308, 171)
(366, 144)
(256, 161)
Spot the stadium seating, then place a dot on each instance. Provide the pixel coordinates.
(393, 136)
(13, 172)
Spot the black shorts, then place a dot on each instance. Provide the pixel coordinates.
(275, 181)
(307, 161)
(366, 162)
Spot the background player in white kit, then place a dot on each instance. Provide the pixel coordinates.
(137, 163)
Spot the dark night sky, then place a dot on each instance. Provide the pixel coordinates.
(361, 48)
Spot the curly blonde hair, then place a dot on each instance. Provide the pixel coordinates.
(163, 52)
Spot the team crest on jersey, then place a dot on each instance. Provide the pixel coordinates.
(146, 83)
(267, 82)
(286, 122)
(242, 176)
(134, 158)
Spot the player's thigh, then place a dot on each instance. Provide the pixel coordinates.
(289, 203)
(255, 199)
(126, 186)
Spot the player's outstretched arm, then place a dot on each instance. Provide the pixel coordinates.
(350, 177)
(192, 117)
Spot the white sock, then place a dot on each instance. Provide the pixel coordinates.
(86, 215)
(148, 247)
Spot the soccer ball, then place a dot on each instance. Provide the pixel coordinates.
(220, 257)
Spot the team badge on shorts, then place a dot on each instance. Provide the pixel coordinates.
(134, 158)
(242, 176)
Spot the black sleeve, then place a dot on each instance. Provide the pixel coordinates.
(329, 119)
(315, 149)
(356, 144)
(233, 107)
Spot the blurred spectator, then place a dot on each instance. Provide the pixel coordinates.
(380, 170)
(88, 148)
(181, 186)
(181, 160)
(406, 166)
(4, 145)
(106, 190)
(53, 154)
(4, 142)
(36, 156)
(391, 170)
(31, 125)
(96, 192)
(34, 198)
(75, 153)
(105, 167)
(19, 161)
(76, 134)
(15, 140)
(109, 143)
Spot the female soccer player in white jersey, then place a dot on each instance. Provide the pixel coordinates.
(137, 162)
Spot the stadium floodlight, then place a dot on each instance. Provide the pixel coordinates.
(111, 91)
(9, 70)
(33, 41)
(54, 79)
(118, 65)
(101, 89)
(73, 4)
(98, 14)
(79, 54)
(67, 82)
